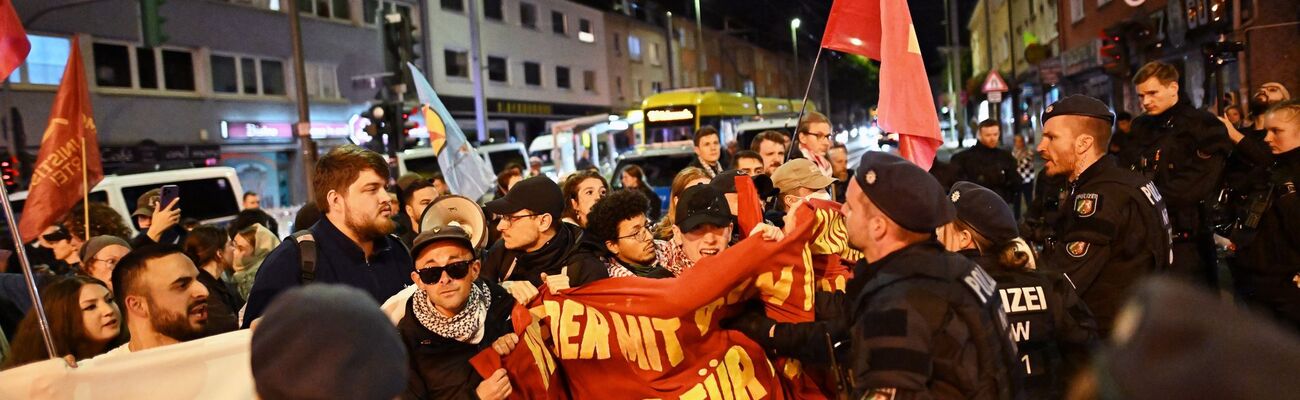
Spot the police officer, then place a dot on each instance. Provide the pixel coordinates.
(1267, 267)
(988, 165)
(1183, 151)
(1114, 228)
(1246, 171)
(1052, 328)
(926, 323)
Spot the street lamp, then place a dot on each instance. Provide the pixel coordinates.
(794, 41)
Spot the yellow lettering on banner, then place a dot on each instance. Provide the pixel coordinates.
(629, 340)
(668, 328)
(777, 291)
(738, 292)
(732, 379)
(704, 315)
(741, 369)
(569, 328)
(651, 345)
(541, 356)
(553, 312)
(595, 338)
(808, 279)
(724, 379)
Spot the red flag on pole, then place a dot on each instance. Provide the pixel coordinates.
(906, 106)
(13, 40)
(69, 148)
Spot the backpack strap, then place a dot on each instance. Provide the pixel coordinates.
(307, 252)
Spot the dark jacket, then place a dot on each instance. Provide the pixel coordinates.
(1113, 231)
(223, 305)
(1182, 151)
(993, 168)
(405, 231)
(930, 324)
(440, 367)
(711, 172)
(338, 260)
(172, 236)
(569, 248)
(1267, 265)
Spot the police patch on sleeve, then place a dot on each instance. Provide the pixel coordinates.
(1077, 249)
(1085, 204)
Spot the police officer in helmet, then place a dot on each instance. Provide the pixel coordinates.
(1114, 228)
(1052, 328)
(927, 323)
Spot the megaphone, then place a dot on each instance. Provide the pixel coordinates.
(461, 211)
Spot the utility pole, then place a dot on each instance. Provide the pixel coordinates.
(302, 130)
(699, 43)
(476, 74)
(672, 76)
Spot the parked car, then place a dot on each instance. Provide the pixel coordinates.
(424, 161)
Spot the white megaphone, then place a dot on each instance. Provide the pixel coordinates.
(460, 211)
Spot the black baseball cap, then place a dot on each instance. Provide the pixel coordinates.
(725, 182)
(699, 205)
(439, 233)
(538, 194)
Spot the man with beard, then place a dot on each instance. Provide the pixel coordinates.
(770, 145)
(1182, 151)
(1113, 227)
(164, 302)
(352, 243)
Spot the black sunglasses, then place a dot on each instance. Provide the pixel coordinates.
(456, 270)
(58, 235)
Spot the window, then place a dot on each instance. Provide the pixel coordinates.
(375, 12)
(656, 86)
(634, 47)
(528, 15)
(322, 79)
(331, 9)
(618, 45)
(685, 40)
(494, 10)
(115, 64)
(45, 62)
(654, 54)
(618, 86)
(457, 63)
(532, 73)
(589, 81)
(585, 32)
(251, 76)
(558, 23)
(203, 199)
(1076, 10)
(453, 5)
(749, 87)
(497, 71)
(562, 77)
(640, 90)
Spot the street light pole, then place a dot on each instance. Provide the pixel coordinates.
(794, 41)
(302, 130)
(699, 44)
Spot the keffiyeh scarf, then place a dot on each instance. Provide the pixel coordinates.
(466, 326)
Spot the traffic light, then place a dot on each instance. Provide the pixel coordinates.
(9, 172)
(401, 40)
(151, 23)
(1114, 52)
(1223, 52)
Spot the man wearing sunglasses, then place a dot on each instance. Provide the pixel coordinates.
(452, 317)
(534, 241)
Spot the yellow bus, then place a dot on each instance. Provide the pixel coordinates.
(675, 115)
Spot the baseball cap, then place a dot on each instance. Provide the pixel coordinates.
(539, 194)
(439, 233)
(797, 173)
(699, 205)
(144, 203)
(725, 182)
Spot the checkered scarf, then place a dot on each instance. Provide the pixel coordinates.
(466, 326)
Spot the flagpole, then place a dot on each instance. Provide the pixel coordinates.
(794, 140)
(85, 190)
(37, 307)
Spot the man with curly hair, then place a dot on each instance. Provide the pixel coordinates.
(619, 222)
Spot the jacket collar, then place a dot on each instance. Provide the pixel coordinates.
(331, 237)
(1105, 162)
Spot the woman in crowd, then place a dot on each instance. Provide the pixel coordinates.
(66, 248)
(633, 178)
(104, 220)
(251, 246)
(84, 321)
(100, 255)
(206, 246)
(687, 177)
(581, 191)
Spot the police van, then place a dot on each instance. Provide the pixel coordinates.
(210, 194)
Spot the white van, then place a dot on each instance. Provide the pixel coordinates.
(211, 194)
(498, 155)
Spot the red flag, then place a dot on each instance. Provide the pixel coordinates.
(56, 183)
(906, 106)
(13, 40)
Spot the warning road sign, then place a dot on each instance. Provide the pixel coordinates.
(995, 83)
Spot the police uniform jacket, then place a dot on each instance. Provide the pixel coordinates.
(1268, 267)
(991, 168)
(1183, 151)
(1114, 230)
(1051, 326)
(928, 324)
(440, 367)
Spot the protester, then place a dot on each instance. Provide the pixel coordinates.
(414, 194)
(1121, 139)
(633, 178)
(749, 163)
(252, 201)
(534, 166)
(451, 318)
(439, 183)
(157, 223)
(771, 146)
(206, 247)
(1052, 328)
(800, 180)
(1246, 171)
(534, 240)
(100, 255)
(340, 347)
(839, 158)
(104, 220)
(814, 138)
(1113, 227)
(309, 214)
(702, 226)
(84, 321)
(581, 190)
(247, 218)
(619, 222)
(505, 180)
(988, 165)
(66, 249)
(708, 151)
(352, 243)
(687, 177)
(1182, 152)
(158, 289)
(917, 306)
(248, 248)
(1025, 171)
(1233, 115)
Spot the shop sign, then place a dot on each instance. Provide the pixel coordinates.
(278, 131)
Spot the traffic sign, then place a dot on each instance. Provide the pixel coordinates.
(995, 83)
(995, 97)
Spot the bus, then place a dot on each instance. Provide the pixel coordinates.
(675, 115)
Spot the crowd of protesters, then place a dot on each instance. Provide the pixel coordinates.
(959, 293)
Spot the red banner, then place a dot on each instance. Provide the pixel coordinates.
(13, 40)
(69, 148)
(660, 338)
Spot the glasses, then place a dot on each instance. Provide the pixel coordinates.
(57, 235)
(456, 270)
(818, 136)
(641, 233)
(510, 219)
(110, 261)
